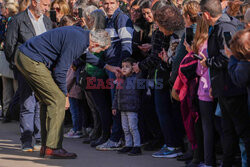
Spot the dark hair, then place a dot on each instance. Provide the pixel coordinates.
(145, 4)
(129, 60)
(213, 7)
(67, 20)
(170, 18)
(159, 4)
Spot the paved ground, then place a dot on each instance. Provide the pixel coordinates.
(11, 156)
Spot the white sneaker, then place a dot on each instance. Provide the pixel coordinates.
(73, 135)
(110, 146)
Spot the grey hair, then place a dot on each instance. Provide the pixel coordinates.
(99, 19)
(89, 10)
(101, 37)
(247, 16)
(38, 1)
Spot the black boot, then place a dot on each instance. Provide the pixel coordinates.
(135, 151)
(99, 141)
(125, 150)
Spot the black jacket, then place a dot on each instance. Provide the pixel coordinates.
(128, 95)
(19, 30)
(217, 61)
(239, 71)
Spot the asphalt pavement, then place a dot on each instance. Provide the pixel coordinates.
(12, 156)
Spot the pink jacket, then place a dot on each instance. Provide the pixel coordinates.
(74, 91)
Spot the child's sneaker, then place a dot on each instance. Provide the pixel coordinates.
(167, 152)
(125, 150)
(73, 135)
(109, 146)
(135, 151)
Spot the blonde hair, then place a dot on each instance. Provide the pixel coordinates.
(63, 5)
(23, 5)
(233, 7)
(12, 8)
(191, 9)
(240, 45)
(201, 34)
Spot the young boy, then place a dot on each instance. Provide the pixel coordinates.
(127, 101)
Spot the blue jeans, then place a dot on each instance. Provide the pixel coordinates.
(116, 132)
(29, 112)
(169, 118)
(76, 110)
(130, 129)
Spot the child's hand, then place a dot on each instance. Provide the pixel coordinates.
(188, 47)
(67, 104)
(136, 68)
(210, 93)
(203, 61)
(114, 111)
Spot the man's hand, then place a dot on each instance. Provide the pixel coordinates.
(136, 68)
(228, 52)
(163, 55)
(116, 70)
(67, 104)
(73, 67)
(114, 111)
(145, 47)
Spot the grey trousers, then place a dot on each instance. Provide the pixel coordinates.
(130, 128)
(9, 89)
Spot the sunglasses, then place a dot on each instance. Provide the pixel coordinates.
(56, 9)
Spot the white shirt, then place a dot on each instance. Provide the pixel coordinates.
(38, 25)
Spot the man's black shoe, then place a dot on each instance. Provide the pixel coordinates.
(125, 150)
(135, 151)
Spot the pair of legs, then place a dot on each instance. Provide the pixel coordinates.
(130, 129)
(52, 100)
(9, 89)
(169, 118)
(98, 99)
(29, 112)
(235, 123)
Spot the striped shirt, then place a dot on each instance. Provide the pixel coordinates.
(120, 29)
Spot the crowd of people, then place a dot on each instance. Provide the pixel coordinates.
(171, 76)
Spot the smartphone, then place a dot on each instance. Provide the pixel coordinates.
(189, 36)
(80, 12)
(52, 14)
(227, 38)
(198, 57)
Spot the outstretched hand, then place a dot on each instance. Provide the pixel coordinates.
(116, 70)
